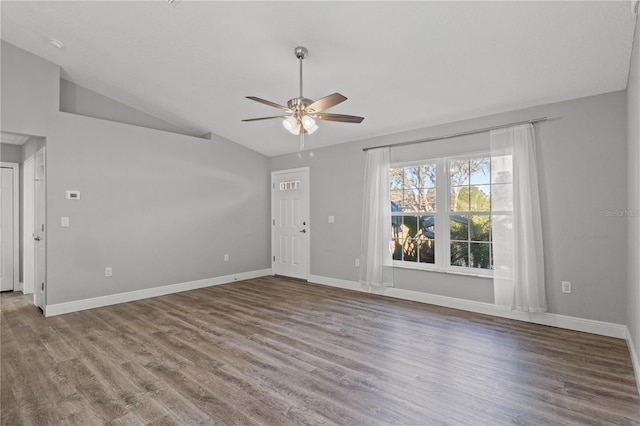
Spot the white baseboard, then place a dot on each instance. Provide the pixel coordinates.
(634, 357)
(555, 320)
(113, 299)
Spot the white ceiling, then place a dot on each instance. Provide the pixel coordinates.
(403, 65)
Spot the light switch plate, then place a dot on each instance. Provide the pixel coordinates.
(64, 221)
(332, 219)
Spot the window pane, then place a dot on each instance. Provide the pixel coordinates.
(413, 188)
(480, 198)
(480, 255)
(413, 179)
(427, 226)
(459, 226)
(459, 172)
(428, 200)
(411, 202)
(426, 243)
(410, 225)
(396, 178)
(480, 228)
(409, 246)
(428, 174)
(397, 248)
(427, 250)
(396, 225)
(397, 236)
(396, 200)
(459, 254)
(410, 250)
(479, 171)
(460, 199)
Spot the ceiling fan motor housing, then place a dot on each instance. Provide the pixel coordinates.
(299, 104)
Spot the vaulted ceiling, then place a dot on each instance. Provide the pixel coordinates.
(403, 65)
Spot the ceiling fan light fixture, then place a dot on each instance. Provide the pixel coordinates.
(309, 124)
(291, 124)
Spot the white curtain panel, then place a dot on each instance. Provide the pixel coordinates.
(375, 266)
(518, 274)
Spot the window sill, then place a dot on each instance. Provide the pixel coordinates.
(445, 271)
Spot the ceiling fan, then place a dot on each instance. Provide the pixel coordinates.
(303, 112)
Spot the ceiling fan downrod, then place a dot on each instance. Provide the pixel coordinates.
(301, 53)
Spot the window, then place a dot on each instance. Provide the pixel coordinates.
(470, 212)
(413, 205)
(441, 214)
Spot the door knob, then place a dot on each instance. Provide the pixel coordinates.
(36, 238)
(304, 231)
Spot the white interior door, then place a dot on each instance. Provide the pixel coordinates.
(290, 223)
(39, 235)
(7, 242)
(28, 226)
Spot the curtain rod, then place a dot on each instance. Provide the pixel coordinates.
(454, 135)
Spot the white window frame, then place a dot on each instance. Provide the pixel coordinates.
(442, 213)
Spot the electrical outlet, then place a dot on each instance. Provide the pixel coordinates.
(566, 286)
(108, 271)
(357, 262)
(226, 257)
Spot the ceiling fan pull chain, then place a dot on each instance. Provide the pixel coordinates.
(301, 141)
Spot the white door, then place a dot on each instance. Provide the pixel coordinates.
(40, 231)
(290, 223)
(6, 230)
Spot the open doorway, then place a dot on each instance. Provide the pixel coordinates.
(28, 153)
(9, 226)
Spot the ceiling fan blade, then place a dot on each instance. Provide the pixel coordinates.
(266, 118)
(326, 102)
(339, 117)
(273, 104)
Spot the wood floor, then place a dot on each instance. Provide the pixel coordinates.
(279, 351)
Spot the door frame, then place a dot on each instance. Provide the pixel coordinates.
(41, 203)
(307, 248)
(28, 225)
(16, 221)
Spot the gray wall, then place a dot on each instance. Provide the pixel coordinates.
(158, 207)
(633, 137)
(82, 101)
(582, 163)
(30, 91)
(10, 153)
